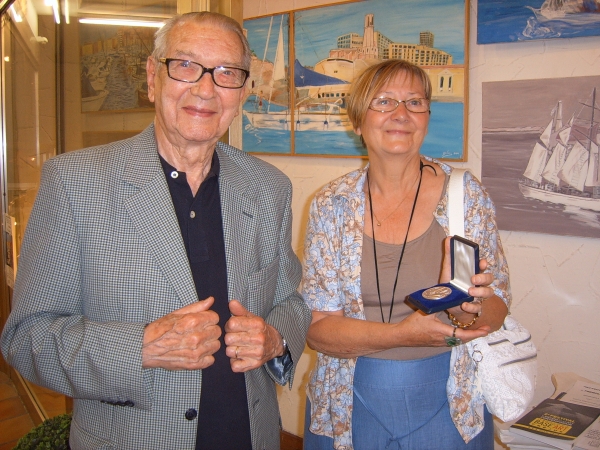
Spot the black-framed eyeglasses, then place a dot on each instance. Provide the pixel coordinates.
(385, 104)
(190, 72)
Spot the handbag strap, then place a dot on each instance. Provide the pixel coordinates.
(456, 209)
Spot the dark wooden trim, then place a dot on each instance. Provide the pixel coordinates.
(290, 441)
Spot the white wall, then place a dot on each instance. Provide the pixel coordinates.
(555, 279)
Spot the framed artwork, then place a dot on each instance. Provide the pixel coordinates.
(302, 111)
(525, 20)
(113, 67)
(266, 110)
(540, 154)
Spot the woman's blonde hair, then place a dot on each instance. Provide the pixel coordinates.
(372, 79)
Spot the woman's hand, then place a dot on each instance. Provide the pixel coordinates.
(487, 310)
(422, 330)
(480, 281)
(480, 289)
(342, 337)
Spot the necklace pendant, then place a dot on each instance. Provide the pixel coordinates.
(378, 224)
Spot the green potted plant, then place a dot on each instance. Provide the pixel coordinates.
(51, 434)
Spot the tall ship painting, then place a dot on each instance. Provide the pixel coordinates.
(564, 164)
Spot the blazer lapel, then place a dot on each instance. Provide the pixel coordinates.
(151, 210)
(240, 217)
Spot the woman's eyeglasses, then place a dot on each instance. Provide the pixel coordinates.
(385, 104)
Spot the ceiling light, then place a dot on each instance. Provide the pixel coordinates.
(16, 16)
(121, 22)
(66, 11)
(56, 12)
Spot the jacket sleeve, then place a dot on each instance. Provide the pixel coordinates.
(289, 315)
(47, 337)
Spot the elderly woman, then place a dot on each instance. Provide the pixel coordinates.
(374, 236)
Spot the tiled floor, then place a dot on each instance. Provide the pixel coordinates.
(14, 419)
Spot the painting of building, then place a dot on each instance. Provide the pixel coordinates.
(332, 46)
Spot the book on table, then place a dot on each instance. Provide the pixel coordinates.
(559, 421)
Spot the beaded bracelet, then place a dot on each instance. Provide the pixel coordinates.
(458, 324)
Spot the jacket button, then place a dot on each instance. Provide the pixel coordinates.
(191, 414)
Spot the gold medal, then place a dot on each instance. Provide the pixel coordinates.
(437, 293)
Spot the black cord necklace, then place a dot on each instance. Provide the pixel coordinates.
(403, 246)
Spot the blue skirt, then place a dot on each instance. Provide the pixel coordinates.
(403, 405)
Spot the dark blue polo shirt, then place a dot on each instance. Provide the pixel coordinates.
(223, 420)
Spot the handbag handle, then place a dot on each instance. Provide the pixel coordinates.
(456, 208)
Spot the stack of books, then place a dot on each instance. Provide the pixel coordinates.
(569, 419)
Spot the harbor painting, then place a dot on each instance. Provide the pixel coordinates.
(540, 160)
(113, 67)
(266, 110)
(331, 46)
(525, 20)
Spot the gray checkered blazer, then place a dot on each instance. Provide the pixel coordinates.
(103, 255)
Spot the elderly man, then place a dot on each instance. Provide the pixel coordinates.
(157, 284)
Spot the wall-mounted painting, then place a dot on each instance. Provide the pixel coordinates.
(266, 111)
(540, 154)
(113, 67)
(524, 20)
(330, 47)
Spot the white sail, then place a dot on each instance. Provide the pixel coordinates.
(266, 49)
(555, 163)
(547, 134)
(558, 117)
(537, 162)
(593, 174)
(575, 168)
(279, 64)
(556, 125)
(565, 133)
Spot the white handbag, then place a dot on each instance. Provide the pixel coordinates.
(506, 359)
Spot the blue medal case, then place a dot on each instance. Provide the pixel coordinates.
(464, 257)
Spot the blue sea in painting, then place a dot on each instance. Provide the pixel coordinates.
(515, 20)
(444, 139)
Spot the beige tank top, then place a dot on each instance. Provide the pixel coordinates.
(420, 269)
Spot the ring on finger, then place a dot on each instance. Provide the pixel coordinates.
(236, 352)
(453, 341)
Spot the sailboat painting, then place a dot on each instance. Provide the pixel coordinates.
(302, 102)
(266, 110)
(525, 20)
(540, 154)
